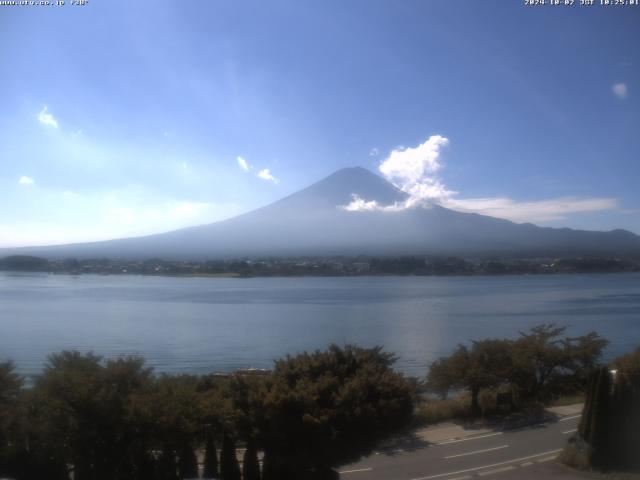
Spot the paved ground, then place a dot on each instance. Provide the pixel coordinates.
(451, 452)
(556, 471)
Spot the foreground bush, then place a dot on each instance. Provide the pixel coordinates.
(538, 366)
(330, 408)
(114, 420)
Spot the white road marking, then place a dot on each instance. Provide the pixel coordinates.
(447, 442)
(357, 470)
(526, 464)
(488, 466)
(570, 431)
(497, 470)
(477, 451)
(570, 418)
(546, 459)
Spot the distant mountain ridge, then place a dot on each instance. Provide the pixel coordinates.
(310, 222)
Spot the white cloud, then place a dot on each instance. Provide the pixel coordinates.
(620, 90)
(265, 174)
(534, 211)
(244, 165)
(374, 152)
(24, 180)
(45, 118)
(415, 172)
(359, 204)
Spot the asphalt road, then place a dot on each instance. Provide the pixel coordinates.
(479, 456)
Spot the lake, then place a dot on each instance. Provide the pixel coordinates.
(198, 325)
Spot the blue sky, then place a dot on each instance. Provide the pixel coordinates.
(126, 118)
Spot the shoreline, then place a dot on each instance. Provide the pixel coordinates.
(321, 275)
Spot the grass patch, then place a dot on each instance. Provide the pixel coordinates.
(567, 400)
(434, 411)
(430, 410)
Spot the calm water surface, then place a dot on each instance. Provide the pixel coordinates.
(199, 325)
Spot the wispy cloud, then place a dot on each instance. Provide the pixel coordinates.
(415, 171)
(359, 204)
(265, 174)
(539, 211)
(374, 152)
(620, 90)
(46, 118)
(24, 180)
(244, 165)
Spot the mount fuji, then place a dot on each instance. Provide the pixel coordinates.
(313, 222)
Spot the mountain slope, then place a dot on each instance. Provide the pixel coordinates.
(311, 222)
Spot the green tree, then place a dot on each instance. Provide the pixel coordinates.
(170, 412)
(229, 468)
(544, 363)
(84, 409)
(328, 408)
(210, 458)
(487, 364)
(250, 464)
(629, 366)
(443, 376)
(10, 391)
(188, 464)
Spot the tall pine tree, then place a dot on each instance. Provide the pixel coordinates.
(229, 468)
(210, 458)
(250, 465)
(188, 465)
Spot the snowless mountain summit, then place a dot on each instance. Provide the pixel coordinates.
(313, 222)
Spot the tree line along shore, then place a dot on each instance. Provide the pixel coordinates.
(85, 417)
(326, 266)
